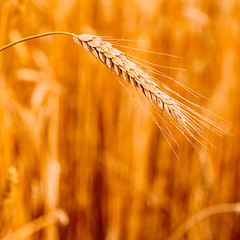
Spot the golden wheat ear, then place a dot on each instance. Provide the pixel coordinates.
(189, 122)
(172, 112)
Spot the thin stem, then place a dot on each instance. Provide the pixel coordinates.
(35, 36)
(202, 214)
(56, 216)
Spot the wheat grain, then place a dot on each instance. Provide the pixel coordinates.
(185, 119)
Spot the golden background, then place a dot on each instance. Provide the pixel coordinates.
(72, 138)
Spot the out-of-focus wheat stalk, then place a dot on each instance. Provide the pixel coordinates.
(52, 177)
(201, 215)
(56, 216)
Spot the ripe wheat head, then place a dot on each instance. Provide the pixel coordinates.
(185, 119)
(172, 112)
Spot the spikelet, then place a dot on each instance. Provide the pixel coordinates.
(11, 184)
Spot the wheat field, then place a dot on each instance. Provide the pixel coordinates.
(81, 159)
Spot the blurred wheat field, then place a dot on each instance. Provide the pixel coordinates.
(77, 152)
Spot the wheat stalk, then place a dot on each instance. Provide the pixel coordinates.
(203, 214)
(173, 112)
(46, 220)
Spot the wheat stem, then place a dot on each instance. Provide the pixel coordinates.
(201, 215)
(34, 37)
(55, 216)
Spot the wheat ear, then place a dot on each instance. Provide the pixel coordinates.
(184, 118)
(173, 112)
